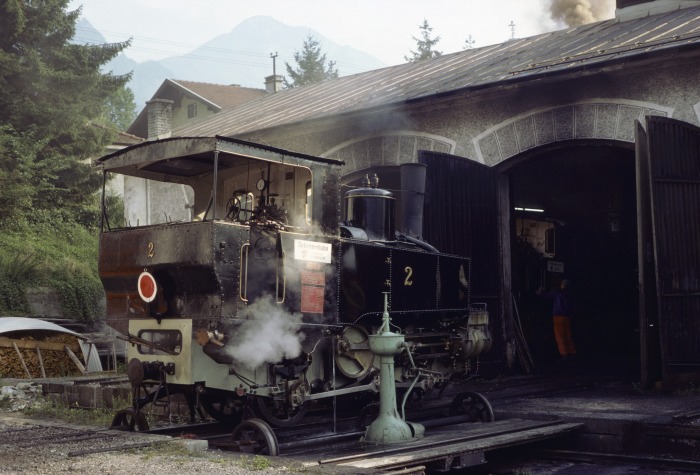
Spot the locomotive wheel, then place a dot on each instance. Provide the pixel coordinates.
(414, 399)
(473, 405)
(256, 437)
(129, 420)
(222, 409)
(367, 415)
(280, 415)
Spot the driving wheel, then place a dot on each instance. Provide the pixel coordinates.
(367, 415)
(129, 420)
(473, 405)
(255, 436)
(278, 412)
(223, 409)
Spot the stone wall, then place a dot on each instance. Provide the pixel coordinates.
(44, 302)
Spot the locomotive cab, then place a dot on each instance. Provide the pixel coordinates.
(190, 206)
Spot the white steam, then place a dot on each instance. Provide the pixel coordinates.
(581, 12)
(269, 334)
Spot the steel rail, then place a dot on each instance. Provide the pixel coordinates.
(599, 458)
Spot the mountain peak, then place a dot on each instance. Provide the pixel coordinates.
(242, 56)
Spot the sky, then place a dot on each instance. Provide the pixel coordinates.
(383, 28)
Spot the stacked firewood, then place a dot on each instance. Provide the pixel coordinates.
(39, 354)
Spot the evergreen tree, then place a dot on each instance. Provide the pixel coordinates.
(426, 45)
(51, 94)
(311, 65)
(120, 110)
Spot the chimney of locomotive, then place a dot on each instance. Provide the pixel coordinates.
(412, 198)
(160, 118)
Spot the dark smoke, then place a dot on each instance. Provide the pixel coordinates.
(581, 12)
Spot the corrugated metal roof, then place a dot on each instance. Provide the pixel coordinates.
(559, 52)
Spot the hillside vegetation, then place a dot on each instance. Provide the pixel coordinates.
(63, 258)
(57, 111)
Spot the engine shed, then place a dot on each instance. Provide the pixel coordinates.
(573, 154)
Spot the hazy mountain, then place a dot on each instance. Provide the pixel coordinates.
(243, 55)
(239, 57)
(145, 78)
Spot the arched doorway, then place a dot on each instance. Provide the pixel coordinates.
(574, 216)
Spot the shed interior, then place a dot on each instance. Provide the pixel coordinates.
(574, 217)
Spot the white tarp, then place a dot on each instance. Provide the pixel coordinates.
(14, 324)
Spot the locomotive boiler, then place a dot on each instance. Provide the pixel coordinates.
(239, 285)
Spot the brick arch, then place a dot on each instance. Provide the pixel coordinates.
(605, 119)
(387, 148)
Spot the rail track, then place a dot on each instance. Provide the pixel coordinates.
(317, 446)
(69, 440)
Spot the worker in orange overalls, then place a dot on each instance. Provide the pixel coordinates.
(563, 309)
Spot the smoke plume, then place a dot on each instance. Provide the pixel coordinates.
(580, 12)
(267, 336)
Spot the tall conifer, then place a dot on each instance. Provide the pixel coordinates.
(52, 92)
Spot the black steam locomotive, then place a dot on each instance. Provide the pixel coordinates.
(239, 285)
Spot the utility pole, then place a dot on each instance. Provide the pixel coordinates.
(274, 66)
(512, 30)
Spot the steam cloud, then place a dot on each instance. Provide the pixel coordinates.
(269, 335)
(580, 12)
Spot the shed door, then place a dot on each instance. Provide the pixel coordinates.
(668, 178)
(461, 216)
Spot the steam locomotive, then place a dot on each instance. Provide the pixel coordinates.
(248, 294)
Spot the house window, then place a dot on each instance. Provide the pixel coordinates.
(192, 110)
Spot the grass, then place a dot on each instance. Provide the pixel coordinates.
(255, 463)
(61, 256)
(101, 416)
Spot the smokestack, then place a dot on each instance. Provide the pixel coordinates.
(273, 83)
(581, 12)
(160, 116)
(412, 198)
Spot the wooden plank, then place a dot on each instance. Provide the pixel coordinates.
(439, 436)
(32, 344)
(87, 358)
(21, 360)
(75, 359)
(41, 362)
(416, 455)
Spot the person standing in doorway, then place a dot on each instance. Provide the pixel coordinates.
(563, 310)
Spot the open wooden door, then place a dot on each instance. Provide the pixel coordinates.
(462, 216)
(668, 199)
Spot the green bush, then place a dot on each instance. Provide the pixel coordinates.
(58, 254)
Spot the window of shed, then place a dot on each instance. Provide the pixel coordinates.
(192, 110)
